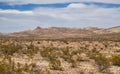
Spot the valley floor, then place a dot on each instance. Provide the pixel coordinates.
(59, 57)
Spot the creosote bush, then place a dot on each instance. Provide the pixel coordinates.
(10, 48)
(115, 60)
(102, 62)
(56, 54)
(93, 54)
(50, 52)
(45, 71)
(4, 68)
(74, 63)
(67, 54)
(7, 66)
(55, 64)
(30, 51)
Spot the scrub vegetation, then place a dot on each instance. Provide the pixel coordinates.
(29, 56)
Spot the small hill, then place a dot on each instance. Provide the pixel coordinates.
(54, 32)
(63, 32)
(109, 30)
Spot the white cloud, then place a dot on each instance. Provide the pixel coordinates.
(103, 1)
(68, 17)
(35, 1)
(16, 12)
(55, 1)
(80, 5)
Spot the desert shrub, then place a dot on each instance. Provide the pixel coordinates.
(10, 49)
(93, 53)
(33, 69)
(76, 52)
(30, 51)
(31, 46)
(54, 55)
(108, 72)
(66, 54)
(44, 71)
(7, 66)
(65, 41)
(66, 51)
(26, 67)
(115, 60)
(18, 68)
(74, 63)
(50, 53)
(102, 62)
(81, 72)
(38, 42)
(55, 65)
(4, 68)
(46, 51)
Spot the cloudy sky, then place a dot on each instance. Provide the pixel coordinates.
(19, 15)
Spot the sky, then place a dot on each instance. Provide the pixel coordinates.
(19, 15)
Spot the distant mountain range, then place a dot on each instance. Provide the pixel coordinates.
(62, 32)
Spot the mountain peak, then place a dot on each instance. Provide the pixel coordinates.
(38, 28)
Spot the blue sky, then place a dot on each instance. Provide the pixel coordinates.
(21, 15)
(30, 6)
